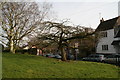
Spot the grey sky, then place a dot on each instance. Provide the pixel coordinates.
(85, 12)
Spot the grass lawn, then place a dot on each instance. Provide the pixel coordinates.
(31, 66)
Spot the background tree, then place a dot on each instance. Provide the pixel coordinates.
(55, 32)
(60, 34)
(40, 43)
(19, 19)
(83, 46)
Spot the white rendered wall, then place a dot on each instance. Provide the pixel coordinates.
(106, 41)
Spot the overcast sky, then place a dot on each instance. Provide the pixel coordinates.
(85, 12)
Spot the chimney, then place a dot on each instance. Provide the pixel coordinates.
(102, 20)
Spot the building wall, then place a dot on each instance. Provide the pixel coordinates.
(117, 48)
(106, 41)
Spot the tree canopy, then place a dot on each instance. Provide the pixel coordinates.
(19, 19)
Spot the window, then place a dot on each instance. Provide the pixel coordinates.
(104, 47)
(104, 34)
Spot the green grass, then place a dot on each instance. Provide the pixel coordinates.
(30, 66)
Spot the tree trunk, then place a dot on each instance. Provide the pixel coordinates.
(75, 54)
(63, 53)
(12, 46)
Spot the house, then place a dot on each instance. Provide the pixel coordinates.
(108, 36)
(83, 47)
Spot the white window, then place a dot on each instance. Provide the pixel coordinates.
(104, 47)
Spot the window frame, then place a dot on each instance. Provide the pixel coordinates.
(105, 48)
(104, 34)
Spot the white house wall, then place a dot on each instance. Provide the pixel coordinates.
(117, 49)
(106, 41)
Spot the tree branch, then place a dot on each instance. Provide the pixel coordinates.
(79, 37)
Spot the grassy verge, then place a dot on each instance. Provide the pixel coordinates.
(30, 66)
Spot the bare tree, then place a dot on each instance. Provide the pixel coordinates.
(19, 19)
(60, 34)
